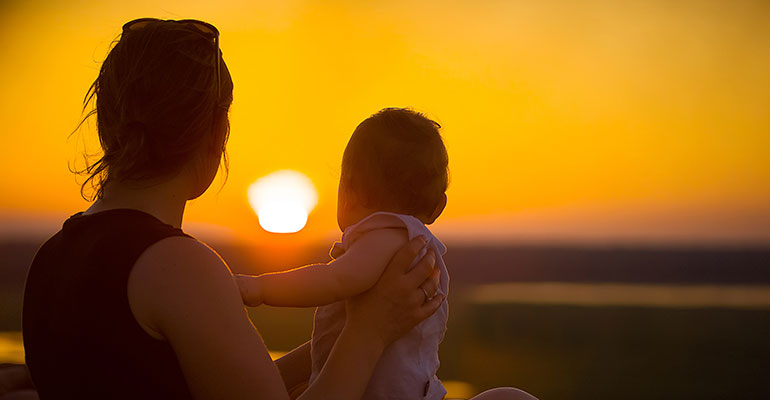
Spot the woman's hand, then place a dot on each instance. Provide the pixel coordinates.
(400, 299)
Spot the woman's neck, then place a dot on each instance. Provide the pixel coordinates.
(165, 200)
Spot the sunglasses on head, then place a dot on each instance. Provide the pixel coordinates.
(207, 30)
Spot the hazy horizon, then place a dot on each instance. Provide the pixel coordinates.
(474, 232)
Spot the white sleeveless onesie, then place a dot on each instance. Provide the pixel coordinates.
(407, 368)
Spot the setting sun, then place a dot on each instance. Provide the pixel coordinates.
(283, 200)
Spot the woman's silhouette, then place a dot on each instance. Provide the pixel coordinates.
(121, 303)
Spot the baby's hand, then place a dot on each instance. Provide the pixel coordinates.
(250, 288)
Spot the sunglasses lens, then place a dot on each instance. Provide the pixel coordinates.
(200, 26)
(203, 28)
(138, 24)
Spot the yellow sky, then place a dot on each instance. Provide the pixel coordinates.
(599, 120)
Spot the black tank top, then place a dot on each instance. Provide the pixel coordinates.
(80, 336)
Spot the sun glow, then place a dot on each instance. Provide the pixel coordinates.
(283, 200)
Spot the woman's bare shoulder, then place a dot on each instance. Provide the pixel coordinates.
(184, 293)
(170, 274)
(182, 252)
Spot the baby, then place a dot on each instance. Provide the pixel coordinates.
(393, 183)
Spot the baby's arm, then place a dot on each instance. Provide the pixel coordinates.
(352, 273)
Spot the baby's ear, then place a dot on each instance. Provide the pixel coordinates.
(438, 210)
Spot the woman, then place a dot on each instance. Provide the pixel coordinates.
(122, 304)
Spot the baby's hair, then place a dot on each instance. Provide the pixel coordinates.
(396, 161)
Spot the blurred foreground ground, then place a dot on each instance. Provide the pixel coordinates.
(561, 323)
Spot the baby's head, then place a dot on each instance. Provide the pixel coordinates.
(396, 162)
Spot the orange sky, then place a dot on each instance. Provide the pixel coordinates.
(572, 121)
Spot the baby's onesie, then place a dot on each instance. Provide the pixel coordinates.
(407, 368)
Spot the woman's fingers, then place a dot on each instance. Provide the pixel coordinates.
(431, 285)
(429, 307)
(422, 271)
(403, 258)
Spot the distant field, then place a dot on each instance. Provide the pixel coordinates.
(576, 352)
(566, 323)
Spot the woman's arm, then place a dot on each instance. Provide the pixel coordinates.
(182, 292)
(314, 285)
(295, 367)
